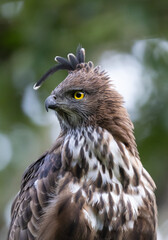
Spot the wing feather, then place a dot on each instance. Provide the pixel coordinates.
(37, 186)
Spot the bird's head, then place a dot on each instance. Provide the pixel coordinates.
(74, 100)
(87, 97)
(81, 97)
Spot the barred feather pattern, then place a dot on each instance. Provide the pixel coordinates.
(100, 187)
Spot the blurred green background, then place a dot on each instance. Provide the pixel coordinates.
(128, 38)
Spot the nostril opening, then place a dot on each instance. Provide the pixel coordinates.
(54, 97)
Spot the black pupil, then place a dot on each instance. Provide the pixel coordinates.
(78, 95)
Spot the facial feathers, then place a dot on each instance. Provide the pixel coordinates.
(101, 106)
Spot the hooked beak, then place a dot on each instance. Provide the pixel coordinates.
(50, 102)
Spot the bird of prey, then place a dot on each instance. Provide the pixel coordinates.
(90, 185)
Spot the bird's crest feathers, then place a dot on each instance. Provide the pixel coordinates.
(71, 63)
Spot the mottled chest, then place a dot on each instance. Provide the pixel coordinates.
(106, 178)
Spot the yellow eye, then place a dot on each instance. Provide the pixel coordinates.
(78, 95)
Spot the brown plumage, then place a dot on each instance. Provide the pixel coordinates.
(91, 183)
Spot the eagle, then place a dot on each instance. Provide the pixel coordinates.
(91, 184)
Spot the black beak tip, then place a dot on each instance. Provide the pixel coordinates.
(50, 102)
(46, 107)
